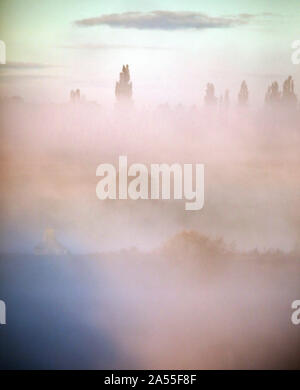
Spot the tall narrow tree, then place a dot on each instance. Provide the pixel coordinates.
(243, 94)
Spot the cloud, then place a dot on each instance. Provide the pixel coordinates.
(100, 46)
(24, 71)
(165, 20)
(24, 66)
(7, 78)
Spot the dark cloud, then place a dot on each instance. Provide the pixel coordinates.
(24, 77)
(23, 71)
(165, 20)
(25, 65)
(100, 46)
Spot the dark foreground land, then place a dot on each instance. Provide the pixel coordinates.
(165, 310)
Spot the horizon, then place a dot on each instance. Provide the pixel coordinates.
(169, 49)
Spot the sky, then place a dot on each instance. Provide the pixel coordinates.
(173, 48)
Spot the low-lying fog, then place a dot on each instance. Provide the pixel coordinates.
(49, 156)
(168, 288)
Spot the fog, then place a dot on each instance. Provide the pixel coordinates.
(191, 304)
(49, 156)
(146, 283)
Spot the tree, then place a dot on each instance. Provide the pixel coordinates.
(273, 94)
(243, 94)
(210, 97)
(123, 90)
(75, 96)
(288, 95)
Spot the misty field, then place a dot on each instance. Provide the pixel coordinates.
(191, 304)
(146, 284)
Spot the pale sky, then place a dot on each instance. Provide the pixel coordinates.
(173, 47)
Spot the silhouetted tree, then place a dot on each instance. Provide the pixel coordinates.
(273, 94)
(75, 96)
(210, 97)
(123, 90)
(288, 95)
(243, 94)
